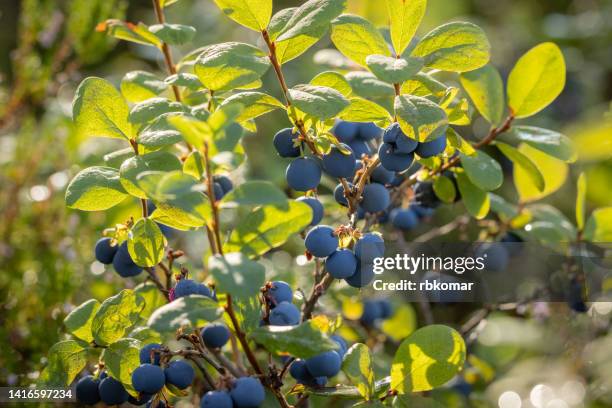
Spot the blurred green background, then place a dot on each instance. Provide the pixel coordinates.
(48, 46)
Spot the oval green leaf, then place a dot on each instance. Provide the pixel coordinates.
(486, 90)
(485, 172)
(356, 38)
(95, 189)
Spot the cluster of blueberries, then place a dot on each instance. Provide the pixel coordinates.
(186, 287)
(221, 186)
(375, 310)
(118, 255)
(316, 370)
(355, 265)
(246, 392)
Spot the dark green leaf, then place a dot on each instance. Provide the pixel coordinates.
(134, 166)
(319, 101)
(237, 275)
(303, 341)
(483, 171)
(393, 70)
(254, 193)
(476, 201)
(193, 311)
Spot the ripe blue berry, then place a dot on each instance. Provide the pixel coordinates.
(432, 148)
(372, 311)
(345, 131)
(225, 183)
(369, 247)
(369, 131)
(280, 292)
(375, 198)
(285, 314)
(392, 160)
(185, 287)
(303, 174)
(321, 241)
(362, 277)
(316, 207)
(495, 256)
(112, 392)
(104, 251)
(87, 390)
(216, 399)
(218, 190)
(342, 343)
(147, 351)
(247, 392)
(215, 335)
(404, 218)
(425, 196)
(325, 364)
(148, 378)
(360, 147)
(422, 212)
(341, 264)
(386, 308)
(180, 374)
(382, 175)
(339, 194)
(398, 140)
(299, 371)
(284, 142)
(339, 164)
(123, 264)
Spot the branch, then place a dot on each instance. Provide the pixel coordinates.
(317, 291)
(213, 202)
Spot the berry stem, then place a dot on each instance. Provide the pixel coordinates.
(317, 291)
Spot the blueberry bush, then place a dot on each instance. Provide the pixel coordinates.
(374, 147)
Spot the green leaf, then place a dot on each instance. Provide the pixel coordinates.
(255, 104)
(393, 70)
(148, 110)
(536, 80)
(363, 110)
(303, 341)
(178, 196)
(333, 80)
(136, 86)
(193, 311)
(357, 366)
(66, 359)
(581, 190)
(420, 118)
(289, 49)
(78, 321)
(519, 159)
(401, 324)
(115, 316)
(414, 401)
(445, 189)
(599, 226)
(146, 335)
(253, 14)
(94, 189)
(184, 79)
(136, 33)
(455, 47)
(502, 208)
(476, 201)
(484, 171)
(366, 85)
(231, 65)
(404, 17)
(121, 358)
(268, 227)
(356, 38)
(152, 297)
(173, 34)
(553, 170)
(99, 110)
(548, 141)
(486, 90)
(248, 313)
(311, 16)
(459, 143)
(237, 275)
(254, 193)
(427, 359)
(135, 165)
(423, 84)
(196, 132)
(319, 101)
(146, 243)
